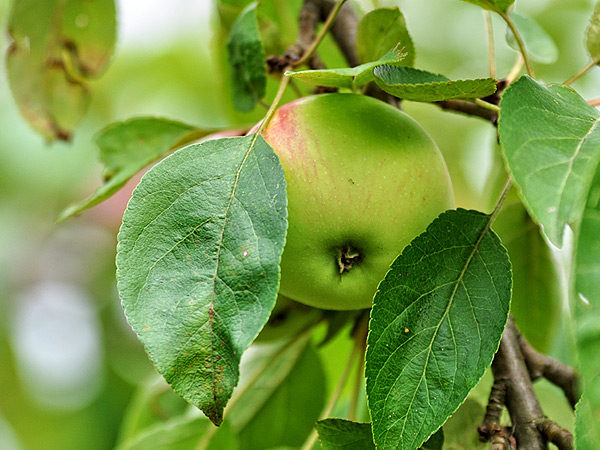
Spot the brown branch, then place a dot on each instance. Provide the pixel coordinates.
(521, 400)
(308, 20)
(470, 109)
(344, 30)
(555, 371)
(555, 434)
(491, 430)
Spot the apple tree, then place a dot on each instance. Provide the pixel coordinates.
(328, 278)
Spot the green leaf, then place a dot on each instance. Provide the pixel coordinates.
(183, 433)
(551, 142)
(435, 442)
(285, 403)
(587, 434)
(340, 434)
(350, 78)
(153, 402)
(460, 430)
(592, 34)
(198, 262)
(539, 45)
(247, 60)
(587, 315)
(57, 45)
(382, 29)
(436, 322)
(492, 5)
(537, 298)
(421, 86)
(129, 146)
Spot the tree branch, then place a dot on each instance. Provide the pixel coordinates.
(344, 30)
(555, 434)
(469, 108)
(558, 373)
(521, 400)
(308, 20)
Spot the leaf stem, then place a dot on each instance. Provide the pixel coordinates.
(594, 102)
(582, 72)
(487, 105)
(515, 70)
(491, 50)
(312, 437)
(310, 50)
(519, 40)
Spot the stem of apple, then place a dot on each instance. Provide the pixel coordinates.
(356, 351)
(310, 50)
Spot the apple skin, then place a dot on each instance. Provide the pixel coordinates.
(363, 179)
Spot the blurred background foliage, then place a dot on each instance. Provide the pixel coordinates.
(69, 365)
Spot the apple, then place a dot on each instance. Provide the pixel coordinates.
(363, 179)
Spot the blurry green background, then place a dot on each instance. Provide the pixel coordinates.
(68, 362)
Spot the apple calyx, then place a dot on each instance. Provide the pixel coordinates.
(347, 257)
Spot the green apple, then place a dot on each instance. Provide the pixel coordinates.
(363, 179)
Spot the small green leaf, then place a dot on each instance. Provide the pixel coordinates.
(587, 433)
(421, 86)
(129, 146)
(537, 298)
(350, 78)
(436, 323)
(182, 433)
(435, 442)
(247, 60)
(587, 316)
(460, 431)
(153, 402)
(592, 34)
(198, 262)
(539, 45)
(492, 5)
(57, 45)
(292, 401)
(382, 29)
(551, 142)
(340, 434)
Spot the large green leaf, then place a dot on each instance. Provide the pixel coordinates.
(198, 262)
(247, 60)
(537, 298)
(492, 5)
(539, 45)
(382, 29)
(551, 143)
(592, 34)
(129, 146)
(56, 46)
(436, 323)
(350, 78)
(587, 318)
(418, 85)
